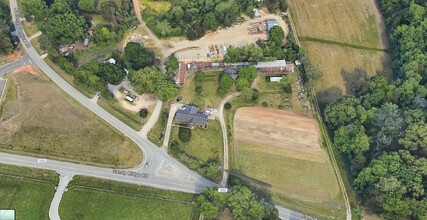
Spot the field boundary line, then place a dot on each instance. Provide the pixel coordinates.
(132, 194)
(343, 44)
(294, 30)
(332, 156)
(30, 178)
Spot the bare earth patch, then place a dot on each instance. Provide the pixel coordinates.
(52, 124)
(281, 149)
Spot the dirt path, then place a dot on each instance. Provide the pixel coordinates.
(333, 160)
(225, 137)
(163, 49)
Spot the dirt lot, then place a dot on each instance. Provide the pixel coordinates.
(281, 149)
(345, 21)
(42, 120)
(238, 35)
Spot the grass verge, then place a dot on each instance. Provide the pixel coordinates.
(28, 191)
(132, 119)
(208, 97)
(205, 144)
(157, 133)
(91, 198)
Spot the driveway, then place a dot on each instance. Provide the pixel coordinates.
(225, 136)
(172, 111)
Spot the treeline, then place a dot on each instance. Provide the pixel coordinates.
(242, 202)
(275, 48)
(6, 26)
(193, 18)
(65, 21)
(382, 129)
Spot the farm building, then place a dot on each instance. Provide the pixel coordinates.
(271, 23)
(180, 75)
(191, 116)
(272, 66)
(231, 72)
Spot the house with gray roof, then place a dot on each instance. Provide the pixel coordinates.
(191, 116)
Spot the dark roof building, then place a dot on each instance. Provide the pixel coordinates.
(231, 72)
(191, 116)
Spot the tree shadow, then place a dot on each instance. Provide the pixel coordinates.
(260, 188)
(328, 95)
(351, 79)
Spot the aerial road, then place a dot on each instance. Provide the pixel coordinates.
(154, 158)
(147, 173)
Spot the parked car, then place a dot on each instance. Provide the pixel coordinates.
(179, 98)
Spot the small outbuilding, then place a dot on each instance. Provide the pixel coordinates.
(271, 23)
(86, 42)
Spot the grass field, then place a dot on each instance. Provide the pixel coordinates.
(44, 121)
(282, 154)
(28, 191)
(209, 97)
(160, 6)
(340, 37)
(90, 198)
(156, 134)
(205, 144)
(132, 119)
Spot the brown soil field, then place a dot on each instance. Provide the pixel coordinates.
(281, 150)
(278, 129)
(38, 118)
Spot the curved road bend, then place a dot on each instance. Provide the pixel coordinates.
(7, 68)
(153, 156)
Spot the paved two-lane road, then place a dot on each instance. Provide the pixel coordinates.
(7, 68)
(154, 158)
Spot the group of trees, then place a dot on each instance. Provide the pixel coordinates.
(151, 80)
(95, 74)
(242, 202)
(273, 49)
(62, 21)
(210, 169)
(382, 129)
(193, 18)
(6, 46)
(247, 75)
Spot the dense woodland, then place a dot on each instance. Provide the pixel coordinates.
(193, 18)
(382, 130)
(6, 26)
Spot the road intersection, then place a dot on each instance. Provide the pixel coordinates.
(157, 169)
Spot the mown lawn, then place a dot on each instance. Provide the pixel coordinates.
(157, 133)
(205, 144)
(90, 198)
(132, 119)
(208, 98)
(160, 6)
(28, 191)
